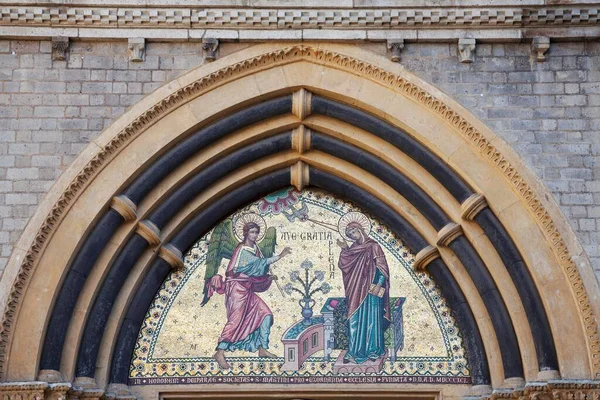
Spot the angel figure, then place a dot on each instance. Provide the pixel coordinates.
(249, 319)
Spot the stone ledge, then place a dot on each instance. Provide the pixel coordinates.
(295, 3)
(348, 35)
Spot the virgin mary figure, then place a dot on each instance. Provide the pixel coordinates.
(366, 280)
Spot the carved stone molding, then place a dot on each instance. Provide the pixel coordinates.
(301, 103)
(300, 175)
(149, 232)
(172, 255)
(58, 391)
(137, 49)
(286, 18)
(554, 390)
(301, 139)
(395, 48)
(425, 256)
(209, 48)
(448, 233)
(75, 393)
(472, 206)
(335, 60)
(125, 207)
(466, 50)
(60, 48)
(23, 390)
(539, 47)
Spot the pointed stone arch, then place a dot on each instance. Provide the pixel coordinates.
(290, 96)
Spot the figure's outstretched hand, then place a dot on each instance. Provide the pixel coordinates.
(342, 243)
(285, 252)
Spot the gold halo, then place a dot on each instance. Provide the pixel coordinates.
(353, 216)
(242, 220)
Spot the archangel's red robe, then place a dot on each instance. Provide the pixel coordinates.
(249, 319)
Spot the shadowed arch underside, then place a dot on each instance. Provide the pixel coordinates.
(331, 116)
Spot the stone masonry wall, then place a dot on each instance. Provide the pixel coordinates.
(549, 112)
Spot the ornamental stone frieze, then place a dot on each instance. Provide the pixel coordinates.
(293, 21)
(553, 390)
(297, 18)
(484, 23)
(34, 390)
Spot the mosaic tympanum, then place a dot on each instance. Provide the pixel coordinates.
(299, 287)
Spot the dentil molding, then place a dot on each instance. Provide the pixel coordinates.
(65, 15)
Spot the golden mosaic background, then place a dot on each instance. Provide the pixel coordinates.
(178, 337)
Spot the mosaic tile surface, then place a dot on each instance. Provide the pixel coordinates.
(178, 338)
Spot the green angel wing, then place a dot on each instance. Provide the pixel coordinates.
(267, 245)
(221, 245)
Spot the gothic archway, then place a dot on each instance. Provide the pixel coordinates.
(335, 117)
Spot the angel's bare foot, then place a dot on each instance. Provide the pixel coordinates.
(220, 359)
(264, 353)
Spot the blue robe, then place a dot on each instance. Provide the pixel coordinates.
(366, 327)
(363, 267)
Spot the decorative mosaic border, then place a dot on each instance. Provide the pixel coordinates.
(454, 365)
(269, 60)
(295, 380)
(296, 18)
